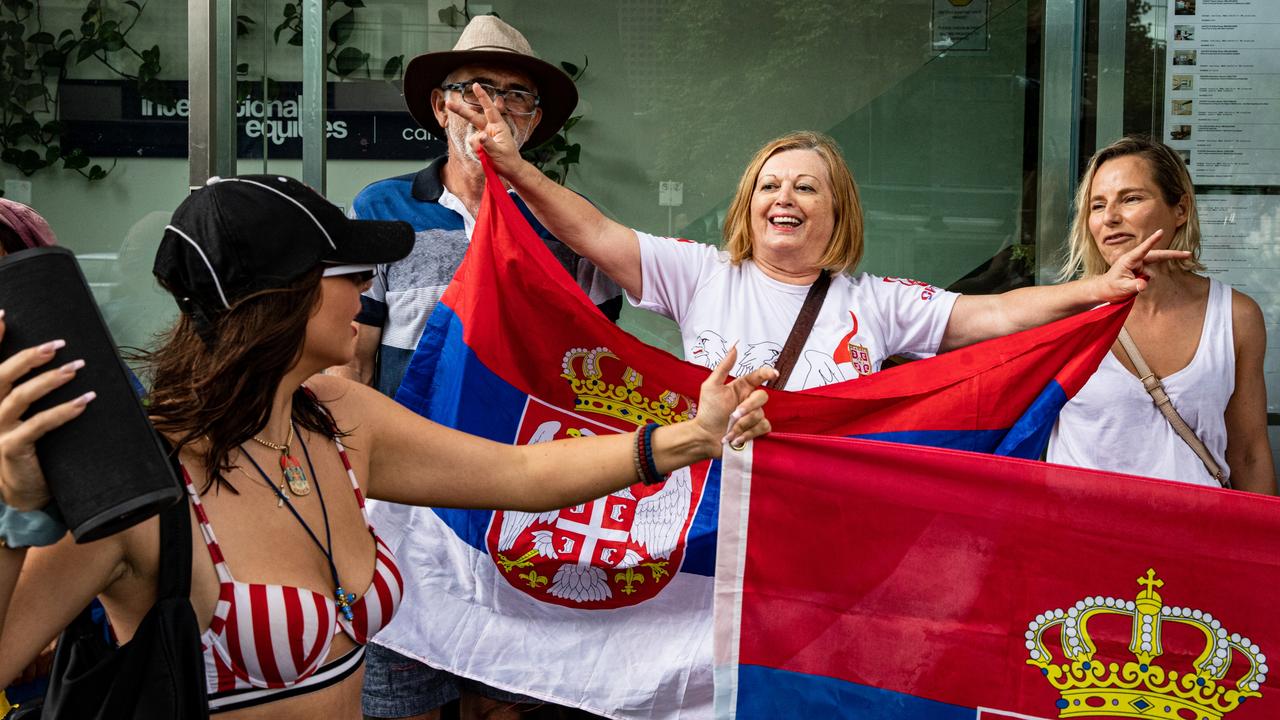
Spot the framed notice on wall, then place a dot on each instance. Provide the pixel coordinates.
(1222, 113)
(960, 26)
(1222, 100)
(1240, 246)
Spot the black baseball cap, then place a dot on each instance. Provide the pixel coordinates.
(239, 235)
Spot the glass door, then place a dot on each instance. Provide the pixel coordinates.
(1204, 77)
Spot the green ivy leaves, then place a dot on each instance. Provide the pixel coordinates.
(393, 68)
(348, 60)
(33, 61)
(342, 58)
(36, 63)
(340, 30)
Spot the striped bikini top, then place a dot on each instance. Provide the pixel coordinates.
(275, 637)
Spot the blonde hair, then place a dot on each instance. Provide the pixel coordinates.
(844, 250)
(1174, 182)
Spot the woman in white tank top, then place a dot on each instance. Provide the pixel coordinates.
(1205, 341)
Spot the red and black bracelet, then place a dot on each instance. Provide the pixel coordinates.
(637, 455)
(646, 468)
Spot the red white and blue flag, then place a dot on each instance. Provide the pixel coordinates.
(607, 606)
(902, 582)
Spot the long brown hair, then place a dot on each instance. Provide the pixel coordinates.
(1170, 175)
(844, 250)
(216, 382)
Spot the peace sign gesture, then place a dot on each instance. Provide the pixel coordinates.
(494, 134)
(1127, 275)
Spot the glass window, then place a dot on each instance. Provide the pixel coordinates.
(931, 101)
(113, 141)
(1197, 78)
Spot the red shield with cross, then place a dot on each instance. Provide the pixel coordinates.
(860, 357)
(850, 352)
(615, 551)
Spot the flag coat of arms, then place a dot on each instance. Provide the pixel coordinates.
(607, 606)
(943, 585)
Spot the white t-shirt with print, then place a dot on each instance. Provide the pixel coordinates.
(863, 320)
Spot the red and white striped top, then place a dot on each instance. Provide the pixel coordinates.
(272, 636)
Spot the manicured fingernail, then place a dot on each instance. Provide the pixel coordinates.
(71, 367)
(724, 439)
(85, 399)
(53, 345)
(1, 314)
(735, 416)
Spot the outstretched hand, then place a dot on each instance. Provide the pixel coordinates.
(1127, 274)
(734, 410)
(494, 136)
(22, 484)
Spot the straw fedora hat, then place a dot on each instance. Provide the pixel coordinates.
(487, 40)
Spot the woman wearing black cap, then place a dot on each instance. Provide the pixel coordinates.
(288, 580)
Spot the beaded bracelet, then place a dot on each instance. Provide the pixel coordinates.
(637, 452)
(651, 475)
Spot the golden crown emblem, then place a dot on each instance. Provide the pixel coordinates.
(621, 399)
(1141, 687)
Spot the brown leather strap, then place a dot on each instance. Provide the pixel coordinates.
(800, 331)
(1155, 389)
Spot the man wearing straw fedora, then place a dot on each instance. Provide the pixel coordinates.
(440, 202)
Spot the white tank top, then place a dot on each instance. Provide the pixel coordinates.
(1112, 424)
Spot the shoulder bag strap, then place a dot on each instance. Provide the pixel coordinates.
(175, 545)
(1155, 388)
(800, 331)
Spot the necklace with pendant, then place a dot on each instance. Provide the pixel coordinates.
(294, 477)
(344, 600)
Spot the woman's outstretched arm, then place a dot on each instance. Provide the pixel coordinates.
(415, 461)
(981, 317)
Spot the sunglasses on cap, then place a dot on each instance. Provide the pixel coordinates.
(359, 274)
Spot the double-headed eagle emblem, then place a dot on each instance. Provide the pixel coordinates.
(617, 549)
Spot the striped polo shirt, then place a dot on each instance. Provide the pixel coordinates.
(405, 292)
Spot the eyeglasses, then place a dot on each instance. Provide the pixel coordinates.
(517, 102)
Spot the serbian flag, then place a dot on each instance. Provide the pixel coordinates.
(607, 606)
(876, 580)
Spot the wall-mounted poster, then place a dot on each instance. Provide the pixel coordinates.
(1240, 245)
(960, 25)
(1223, 92)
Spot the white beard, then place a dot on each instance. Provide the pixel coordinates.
(461, 132)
